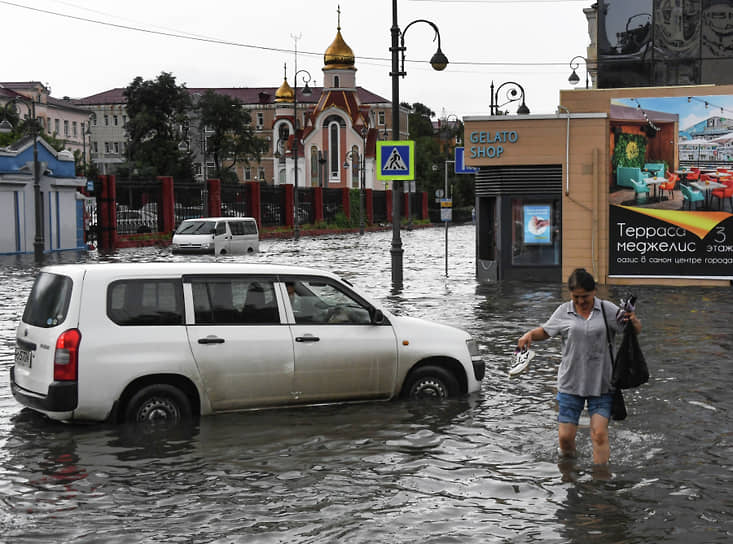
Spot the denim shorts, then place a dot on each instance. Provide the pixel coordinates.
(570, 406)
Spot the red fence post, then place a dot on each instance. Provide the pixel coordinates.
(167, 203)
(346, 201)
(318, 204)
(255, 200)
(424, 205)
(389, 205)
(369, 206)
(107, 213)
(213, 203)
(289, 205)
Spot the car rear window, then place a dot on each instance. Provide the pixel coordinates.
(145, 302)
(49, 300)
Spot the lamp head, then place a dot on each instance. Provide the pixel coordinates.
(306, 90)
(574, 79)
(6, 127)
(439, 61)
(523, 109)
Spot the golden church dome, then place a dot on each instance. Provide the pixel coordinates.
(285, 93)
(338, 56)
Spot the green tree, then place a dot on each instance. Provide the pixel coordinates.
(157, 112)
(428, 158)
(233, 139)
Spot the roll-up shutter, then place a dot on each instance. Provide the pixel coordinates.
(519, 180)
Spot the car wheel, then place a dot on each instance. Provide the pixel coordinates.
(431, 382)
(160, 403)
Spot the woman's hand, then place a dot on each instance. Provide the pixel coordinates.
(525, 341)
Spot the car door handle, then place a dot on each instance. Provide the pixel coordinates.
(307, 338)
(211, 340)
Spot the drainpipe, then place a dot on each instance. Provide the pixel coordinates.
(567, 149)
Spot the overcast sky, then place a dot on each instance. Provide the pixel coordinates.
(530, 42)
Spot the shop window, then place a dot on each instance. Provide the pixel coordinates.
(536, 232)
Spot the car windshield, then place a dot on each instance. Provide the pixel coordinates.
(196, 227)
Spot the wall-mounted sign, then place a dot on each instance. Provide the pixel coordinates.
(537, 226)
(672, 243)
(490, 145)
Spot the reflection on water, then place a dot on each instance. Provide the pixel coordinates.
(481, 469)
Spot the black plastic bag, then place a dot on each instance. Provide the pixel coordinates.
(618, 406)
(630, 368)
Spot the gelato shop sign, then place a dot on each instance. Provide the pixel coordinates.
(490, 145)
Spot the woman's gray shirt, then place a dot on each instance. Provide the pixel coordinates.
(586, 365)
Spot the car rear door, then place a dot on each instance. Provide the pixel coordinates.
(339, 353)
(243, 350)
(50, 311)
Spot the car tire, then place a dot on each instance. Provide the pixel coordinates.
(431, 382)
(159, 403)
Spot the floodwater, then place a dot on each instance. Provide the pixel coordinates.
(480, 469)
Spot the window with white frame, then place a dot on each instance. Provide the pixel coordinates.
(247, 173)
(115, 120)
(333, 148)
(56, 125)
(106, 147)
(380, 118)
(66, 127)
(74, 129)
(106, 120)
(116, 146)
(261, 174)
(260, 119)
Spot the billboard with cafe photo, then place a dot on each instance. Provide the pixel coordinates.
(671, 196)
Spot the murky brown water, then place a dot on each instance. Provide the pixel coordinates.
(483, 469)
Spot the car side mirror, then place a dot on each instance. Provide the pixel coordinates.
(377, 317)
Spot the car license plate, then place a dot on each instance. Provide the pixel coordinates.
(23, 358)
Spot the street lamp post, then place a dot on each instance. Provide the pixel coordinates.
(574, 79)
(38, 241)
(514, 93)
(306, 92)
(361, 167)
(438, 62)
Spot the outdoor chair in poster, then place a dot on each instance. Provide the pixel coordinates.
(670, 185)
(722, 194)
(640, 188)
(690, 195)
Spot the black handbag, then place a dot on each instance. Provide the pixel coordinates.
(618, 405)
(629, 368)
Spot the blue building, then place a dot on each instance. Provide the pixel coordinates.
(63, 206)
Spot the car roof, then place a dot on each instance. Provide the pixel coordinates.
(179, 269)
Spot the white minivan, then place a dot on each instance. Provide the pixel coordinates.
(217, 235)
(150, 342)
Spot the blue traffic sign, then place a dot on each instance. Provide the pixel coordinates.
(461, 167)
(396, 160)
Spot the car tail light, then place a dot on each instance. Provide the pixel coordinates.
(66, 357)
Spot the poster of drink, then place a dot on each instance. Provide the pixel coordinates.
(537, 226)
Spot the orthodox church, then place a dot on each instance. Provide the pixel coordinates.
(332, 130)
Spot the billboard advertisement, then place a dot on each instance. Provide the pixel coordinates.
(671, 197)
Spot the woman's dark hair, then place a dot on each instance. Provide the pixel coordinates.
(581, 278)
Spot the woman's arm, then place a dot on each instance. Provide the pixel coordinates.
(528, 337)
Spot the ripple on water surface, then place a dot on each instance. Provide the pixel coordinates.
(481, 469)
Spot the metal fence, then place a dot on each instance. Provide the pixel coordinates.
(332, 203)
(272, 201)
(138, 204)
(235, 201)
(379, 206)
(306, 207)
(190, 201)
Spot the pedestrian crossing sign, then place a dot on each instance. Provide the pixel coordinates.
(396, 160)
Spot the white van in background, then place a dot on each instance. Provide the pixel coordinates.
(217, 235)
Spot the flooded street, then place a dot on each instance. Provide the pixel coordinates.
(480, 469)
